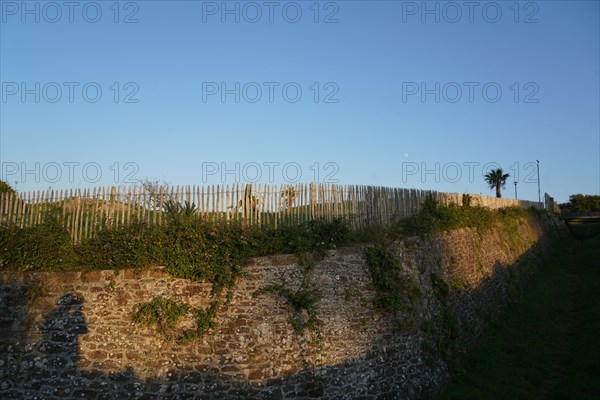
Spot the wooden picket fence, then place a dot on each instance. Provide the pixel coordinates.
(84, 212)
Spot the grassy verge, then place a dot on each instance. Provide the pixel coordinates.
(584, 230)
(548, 345)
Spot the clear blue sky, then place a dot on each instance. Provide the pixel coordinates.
(374, 119)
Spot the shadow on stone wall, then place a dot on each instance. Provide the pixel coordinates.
(59, 346)
(39, 363)
(14, 317)
(48, 367)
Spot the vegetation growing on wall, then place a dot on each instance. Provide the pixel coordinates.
(165, 312)
(394, 287)
(187, 245)
(46, 246)
(448, 341)
(194, 248)
(305, 298)
(304, 303)
(302, 300)
(435, 217)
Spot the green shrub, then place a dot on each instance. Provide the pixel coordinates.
(46, 246)
(133, 246)
(434, 217)
(6, 188)
(188, 246)
(467, 199)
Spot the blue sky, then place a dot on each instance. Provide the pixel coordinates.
(403, 94)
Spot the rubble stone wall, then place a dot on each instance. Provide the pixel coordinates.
(71, 335)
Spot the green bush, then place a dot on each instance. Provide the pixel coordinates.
(434, 217)
(133, 246)
(6, 188)
(192, 248)
(46, 246)
(188, 246)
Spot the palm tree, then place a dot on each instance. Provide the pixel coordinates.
(496, 179)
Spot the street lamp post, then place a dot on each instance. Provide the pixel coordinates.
(516, 198)
(538, 174)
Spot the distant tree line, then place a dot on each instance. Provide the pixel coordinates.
(581, 203)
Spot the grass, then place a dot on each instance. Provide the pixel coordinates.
(548, 345)
(582, 230)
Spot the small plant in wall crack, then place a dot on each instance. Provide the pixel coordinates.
(165, 312)
(304, 299)
(305, 319)
(304, 302)
(204, 321)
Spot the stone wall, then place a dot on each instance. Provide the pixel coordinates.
(70, 334)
